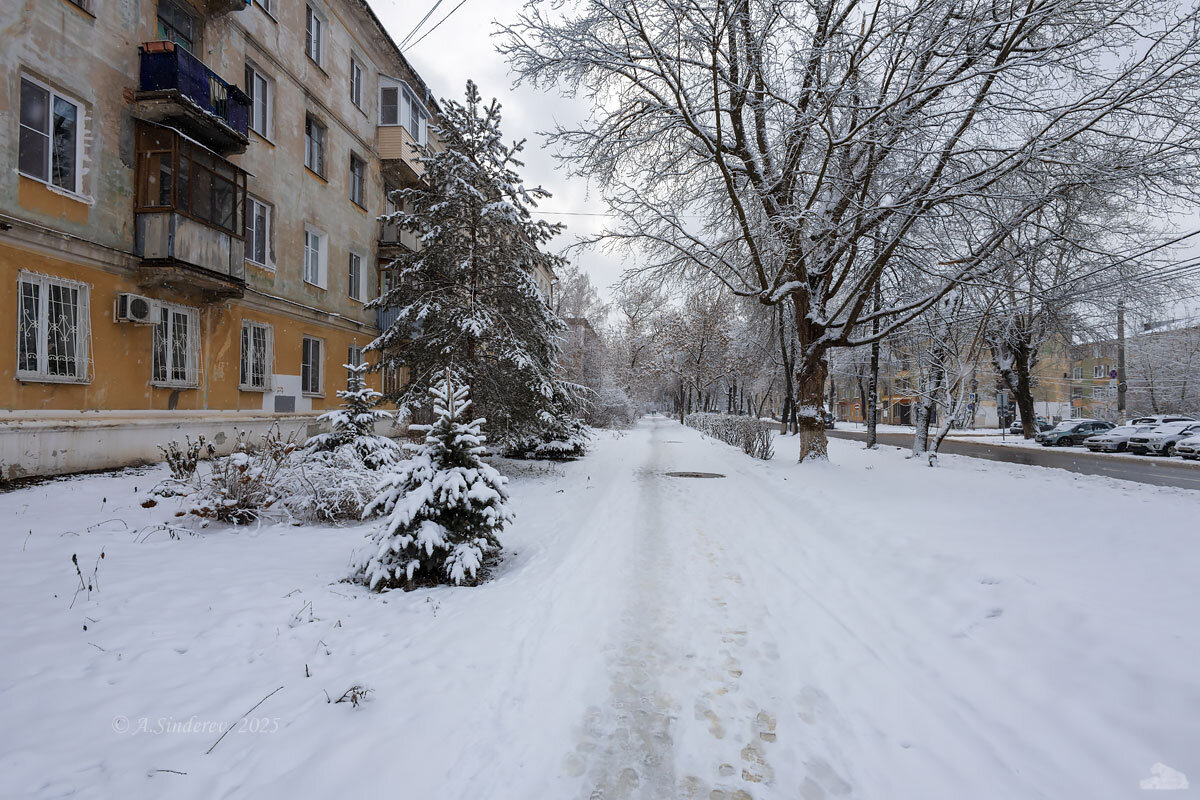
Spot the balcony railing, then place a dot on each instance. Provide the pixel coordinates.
(176, 85)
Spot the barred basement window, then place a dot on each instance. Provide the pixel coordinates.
(52, 329)
(257, 356)
(176, 360)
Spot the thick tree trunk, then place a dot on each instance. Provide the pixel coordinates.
(811, 374)
(1024, 395)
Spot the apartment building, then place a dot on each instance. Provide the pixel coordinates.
(986, 399)
(189, 216)
(1162, 372)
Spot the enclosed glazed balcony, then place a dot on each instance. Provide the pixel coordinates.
(189, 216)
(177, 88)
(400, 153)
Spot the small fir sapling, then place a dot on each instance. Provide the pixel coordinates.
(443, 509)
(354, 423)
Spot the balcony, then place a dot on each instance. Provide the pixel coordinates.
(392, 235)
(175, 87)
(189, 208)
(384, 317)
(400, 153)
(215, 8)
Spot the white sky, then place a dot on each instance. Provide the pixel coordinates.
(462, 48)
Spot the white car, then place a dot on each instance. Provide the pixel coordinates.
(1163, 439)
(1189, 448)
(1162, 419)
(1115, 440)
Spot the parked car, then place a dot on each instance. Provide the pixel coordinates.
(1115, 440)
(1043, 424)
(1162, 419)
(829, 419)
(1189, 448)
(1162, 440)
(1072, 431)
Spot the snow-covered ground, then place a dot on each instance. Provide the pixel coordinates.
(866, 628)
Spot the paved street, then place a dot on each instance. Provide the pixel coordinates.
(1127, 467)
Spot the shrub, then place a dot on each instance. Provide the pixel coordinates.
(612, 408)
(754, 436)
(562, 439)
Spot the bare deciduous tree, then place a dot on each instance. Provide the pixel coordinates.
(796, 151)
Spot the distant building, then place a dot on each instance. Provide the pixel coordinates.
(1162, 371)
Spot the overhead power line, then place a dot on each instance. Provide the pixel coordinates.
(417, 27)
(436, 26)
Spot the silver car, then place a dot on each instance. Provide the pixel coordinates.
(1116, 440)
(1189, 448)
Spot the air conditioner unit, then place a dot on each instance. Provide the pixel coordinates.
(135, 308)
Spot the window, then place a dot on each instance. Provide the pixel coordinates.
(267, 5)
(258, 87)
(358, 169)
(314, 145)
(356, 282)
(176, 347)
(315, 257)
(399, 106)
(314, 35)
(52, 329)
(257, 341)
(1077, 392)
(258, 231)
(50, 142)
(354, 357)
(310, 366)
(356, 82)
(1099, 392)
(1100, 371)
(1077, 373)
(1076, 412)
(176, 24)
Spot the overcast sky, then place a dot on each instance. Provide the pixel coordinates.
(462, 47)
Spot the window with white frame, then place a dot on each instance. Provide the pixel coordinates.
(50, 142)
(356, 82)
(1099, 371)
(1076, 412)
(357, 279)
(314, 144)
(267, 6)
(176, 359)
(1099, 392)
(314, 35)
(398, 105)
(310, 366)
(1077, 373)
(257, 357)
(52, 329)
(354, 357)
(358, 181)
(315, 257)
(260, 90)
(258, 231)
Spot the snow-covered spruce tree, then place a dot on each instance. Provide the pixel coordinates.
(468, 293)
(354, 423)
(444, 509)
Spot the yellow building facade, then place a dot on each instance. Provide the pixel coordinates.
(189, 224)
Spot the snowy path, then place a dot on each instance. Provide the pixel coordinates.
(868, 628)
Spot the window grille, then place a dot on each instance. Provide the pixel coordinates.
(257, 360)
(52, 329)
(176, 356)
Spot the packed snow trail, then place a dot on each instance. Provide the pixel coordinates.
(867, 628)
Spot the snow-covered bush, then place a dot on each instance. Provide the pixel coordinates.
(444, 508)
(245, 485)
(753, 435)
(562, 438)
(353, 425)
(270, 478)
(612, 408)
(330, 485)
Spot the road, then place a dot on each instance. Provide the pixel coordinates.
(1141, 469)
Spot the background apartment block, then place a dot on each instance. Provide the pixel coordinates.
(189, 215)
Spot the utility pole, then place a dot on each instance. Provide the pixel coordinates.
(1121, 385)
